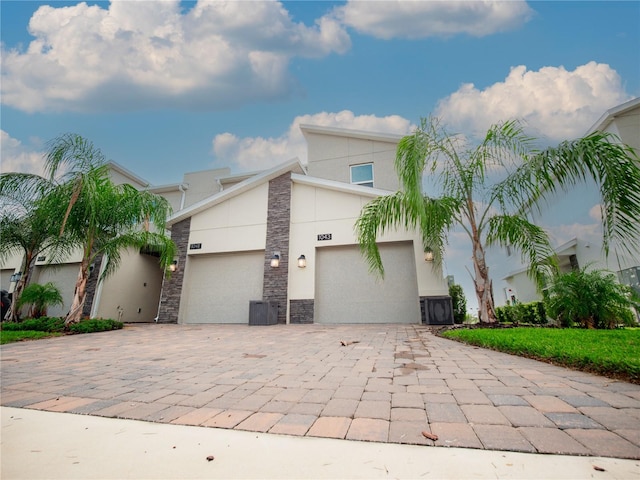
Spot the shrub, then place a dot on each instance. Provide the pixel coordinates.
(42, 324)
(40, 297)
(95, 325)
(532, 313)
(55, 324)
(592, 299)
(459, 302)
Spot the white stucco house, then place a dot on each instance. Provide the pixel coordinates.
(575, 225)
(286, 236)
(281, 239)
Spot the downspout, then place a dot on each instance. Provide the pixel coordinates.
(181, 187)
(164, 275)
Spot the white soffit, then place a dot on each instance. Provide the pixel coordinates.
(345, 132)
(339, 186)
(610, 115)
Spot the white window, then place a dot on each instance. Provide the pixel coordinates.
(362, 174)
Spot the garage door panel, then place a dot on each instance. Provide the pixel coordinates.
(220, 287)
(347, 293)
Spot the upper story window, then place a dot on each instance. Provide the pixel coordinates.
(362, 174)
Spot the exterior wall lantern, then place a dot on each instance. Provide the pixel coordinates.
(275, 260)
(302, 261)
(174, 266)
(16, 277)
(428, 255)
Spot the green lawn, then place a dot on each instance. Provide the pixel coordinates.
(613, 353)
(8, 336)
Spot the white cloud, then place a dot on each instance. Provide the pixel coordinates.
(560, 234)
(17, 157)
(421, 19)
(554, 102)
(135, 53)
(255, 153)
(595, 212)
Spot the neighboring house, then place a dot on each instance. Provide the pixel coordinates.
(231, 228)
(131, 294)
(574, 222)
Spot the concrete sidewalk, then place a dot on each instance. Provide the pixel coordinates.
(375, 383)
(44, 445)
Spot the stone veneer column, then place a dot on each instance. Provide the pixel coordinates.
(275, 283)
(301, 311)
(172, 287)
(92, 286)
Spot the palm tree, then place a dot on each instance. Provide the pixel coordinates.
(89, 212)
(101, 217)
(27, 227)
(40, 297)
(488, 191)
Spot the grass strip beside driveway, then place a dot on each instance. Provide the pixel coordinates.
(614, 353)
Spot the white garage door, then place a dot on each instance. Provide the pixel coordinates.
(218, 288)
(347, 293)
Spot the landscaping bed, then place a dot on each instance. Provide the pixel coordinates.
(36, 328)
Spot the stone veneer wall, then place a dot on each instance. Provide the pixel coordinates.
(172, 287)
(275, 280)
(92, 285)
(301, 311)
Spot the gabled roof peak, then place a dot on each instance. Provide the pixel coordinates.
(293, 166)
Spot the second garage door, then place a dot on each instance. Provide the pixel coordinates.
(220, 287)
(347, 293)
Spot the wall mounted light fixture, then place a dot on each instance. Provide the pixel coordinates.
(174, 266)
(16, 277)
(428, 255)
(302, 261)
(275, 260)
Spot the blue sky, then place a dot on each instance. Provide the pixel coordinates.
(169, 87)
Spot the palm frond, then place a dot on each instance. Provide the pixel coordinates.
(613, 166)
(529, 239)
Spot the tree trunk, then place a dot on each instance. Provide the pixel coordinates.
(14, 314)
(483, 285)
(79, 295)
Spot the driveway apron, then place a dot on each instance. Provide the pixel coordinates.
(379, 383)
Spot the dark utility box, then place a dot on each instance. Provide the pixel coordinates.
(437, 310)
(263, 312)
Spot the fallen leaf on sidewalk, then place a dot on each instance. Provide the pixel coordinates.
(210, 458)
(599, 469)
(429, 435)
(345, 343)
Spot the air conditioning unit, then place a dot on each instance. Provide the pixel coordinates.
(437, 310)
(263, 312)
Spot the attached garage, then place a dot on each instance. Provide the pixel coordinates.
(347, 293)
(219, 287)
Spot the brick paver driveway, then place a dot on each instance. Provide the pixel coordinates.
(390, 385)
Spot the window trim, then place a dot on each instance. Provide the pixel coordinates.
(365, 183)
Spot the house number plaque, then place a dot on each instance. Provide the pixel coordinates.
(195, 246)
(324, 236)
